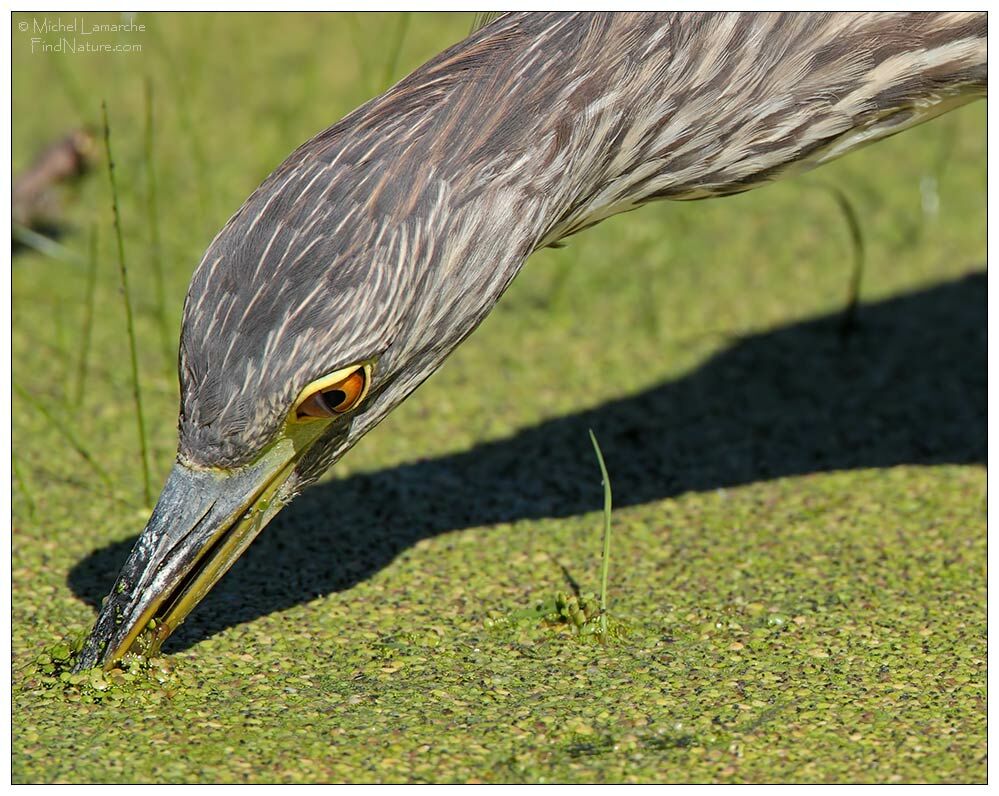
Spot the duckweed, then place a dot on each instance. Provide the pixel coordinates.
(800, 544)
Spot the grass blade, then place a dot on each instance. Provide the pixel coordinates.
(88, 318)
(849, 318)
(64, 432)
(155, 247)
(24, 486)
(76, 94)
(849, 321)
(43, 245)
(605, 562)
(393, 62)
(179, 72)
(130, 327)
(357, 36)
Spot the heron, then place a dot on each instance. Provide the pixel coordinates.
(375, 248)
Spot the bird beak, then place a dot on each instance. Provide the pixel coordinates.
(202, 522)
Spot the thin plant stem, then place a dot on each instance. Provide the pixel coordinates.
(849, 318)
(39, 470)
(393, 62)
(67, 78)
(560, 279)
(24, 486)
(88, 318)
(177, 71)
(130, 327)
(64, 432)
(362, 61)
(43, 245)
(152, 219)
(605, 563)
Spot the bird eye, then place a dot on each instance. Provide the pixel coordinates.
(333, 395)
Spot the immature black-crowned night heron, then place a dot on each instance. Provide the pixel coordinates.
(379, 245)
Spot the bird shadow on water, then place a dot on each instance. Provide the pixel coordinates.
(907, 387)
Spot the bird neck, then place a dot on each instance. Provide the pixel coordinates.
(583, 117)
(541, 125)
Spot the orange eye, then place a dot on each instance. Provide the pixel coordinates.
(335, 399)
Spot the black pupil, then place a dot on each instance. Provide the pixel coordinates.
(333, 398)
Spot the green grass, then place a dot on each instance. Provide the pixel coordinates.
(126, 300)
(799, 550)
(605, 554)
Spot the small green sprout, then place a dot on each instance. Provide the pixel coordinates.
(605, 561)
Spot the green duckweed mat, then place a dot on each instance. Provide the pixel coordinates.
(798, 578)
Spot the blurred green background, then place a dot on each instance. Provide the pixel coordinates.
(798, 571)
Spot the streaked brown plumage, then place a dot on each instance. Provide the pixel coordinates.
(388, 237)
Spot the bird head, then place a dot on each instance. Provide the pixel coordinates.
(340, 285)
